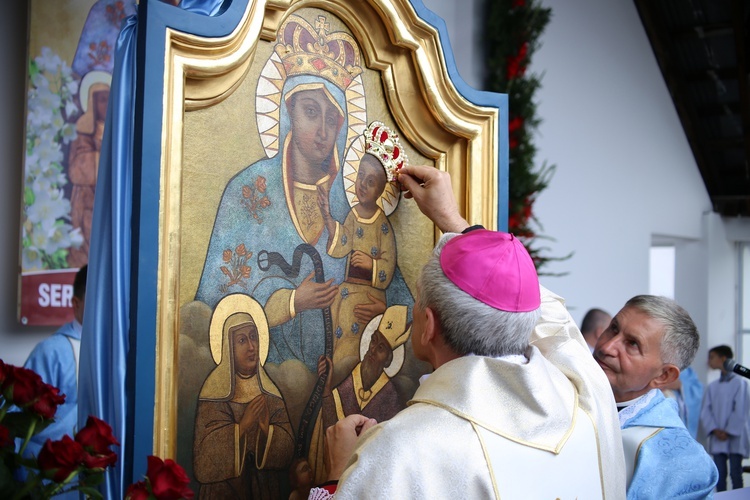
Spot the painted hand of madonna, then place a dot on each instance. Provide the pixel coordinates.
(312, 295)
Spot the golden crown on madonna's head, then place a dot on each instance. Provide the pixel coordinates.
(383, 143)
(308, 50)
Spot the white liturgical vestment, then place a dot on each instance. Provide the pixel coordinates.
(480, 427)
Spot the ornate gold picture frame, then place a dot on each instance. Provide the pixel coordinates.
(285, 259)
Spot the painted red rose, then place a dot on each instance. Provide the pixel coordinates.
(260, 183)
(5, 439)
(58, 459)
(48, 401)
(168, 480)
(137, 491)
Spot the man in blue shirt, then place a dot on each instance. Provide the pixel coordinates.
(55, 359)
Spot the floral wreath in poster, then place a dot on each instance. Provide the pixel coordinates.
(46, 232)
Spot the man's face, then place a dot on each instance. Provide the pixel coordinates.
(245, 346)
(629, 352)
(715, 361)
(379, 351)
(78, 304)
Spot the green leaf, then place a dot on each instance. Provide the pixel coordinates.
(90, 492)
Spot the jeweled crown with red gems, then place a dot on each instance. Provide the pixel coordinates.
(383, 143)
(309, 50)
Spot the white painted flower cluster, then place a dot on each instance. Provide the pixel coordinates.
(46, 232)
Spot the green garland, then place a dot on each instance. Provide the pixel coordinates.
(511, 33)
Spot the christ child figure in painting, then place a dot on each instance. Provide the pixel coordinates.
(366, 239)
(369, 390)
(243, 437)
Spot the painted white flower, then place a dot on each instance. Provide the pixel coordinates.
(31, 259)
(48, 206)
(71, 108)
(48, 61)
(69, 133)
(76, 237)
(51, 108)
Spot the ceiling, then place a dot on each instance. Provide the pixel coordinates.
(702, 48)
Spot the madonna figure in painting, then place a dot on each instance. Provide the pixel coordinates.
(270, 208)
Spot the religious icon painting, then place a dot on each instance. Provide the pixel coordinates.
(295, 257)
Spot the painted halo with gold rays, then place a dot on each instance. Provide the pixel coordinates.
(233, 304)
(388, 201)
(268, 101)
(364, 345)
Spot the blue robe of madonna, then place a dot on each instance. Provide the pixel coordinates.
(670, 463)
(265, 210)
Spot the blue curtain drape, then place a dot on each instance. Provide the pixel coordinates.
(106, 326)
(104, 342)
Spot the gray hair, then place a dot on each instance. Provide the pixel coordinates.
(468, 325)
(681, 339)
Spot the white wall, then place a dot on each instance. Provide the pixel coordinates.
(626, 176)
(16, 341)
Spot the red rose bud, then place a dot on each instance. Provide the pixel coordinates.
(96, 436)
(168, 480)
(49, 399)
(5, 439)
(99, 461)
(58, 459)
(137, 491)
(26, 385)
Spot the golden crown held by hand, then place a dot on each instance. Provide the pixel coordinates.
(309, 50)
(383, 143)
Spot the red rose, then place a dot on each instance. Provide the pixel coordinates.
(137, 491)
(26, 385)
(246, 192)
(5, 439)
(226, 255)
(96, 438)
(58, 459)
(49, 399)
(240, 250)
(260, 183)
(168, 480)
(265, 202)
(99, 461)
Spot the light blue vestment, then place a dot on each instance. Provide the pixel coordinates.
(727, 407)
(670, 463)
(692, 394)
(53, 359)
